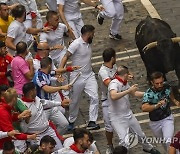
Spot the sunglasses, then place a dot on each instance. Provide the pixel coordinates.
(43, 49)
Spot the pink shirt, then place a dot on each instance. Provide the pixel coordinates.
(19, 68)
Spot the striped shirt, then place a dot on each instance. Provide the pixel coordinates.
(41, 79)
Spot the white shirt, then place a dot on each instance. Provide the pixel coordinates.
(120, 107)
(104, 74)
(55, 37)
(71, 9)
(17, 31)
(3, 134)
(68, 150)
(38, 121)
(81, 56)
(30, 5)
(70, 140)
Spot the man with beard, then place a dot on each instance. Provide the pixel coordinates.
(17, 31)
(121, 116)
(80, 52)
(81, 143)
(156, 101)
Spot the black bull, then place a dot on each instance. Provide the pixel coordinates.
(159, 48)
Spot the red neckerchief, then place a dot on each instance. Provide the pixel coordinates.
(28, 100)
(124, 82)
(75, 148)
(38, 57)
(47, 24)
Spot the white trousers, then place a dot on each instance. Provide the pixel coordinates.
(113, 9)
(52, 5)
(57, 62)
(51, 133)
(90, 87)
(106, 118)
(21, 144)
(163, 129)
(54, 114)
(122, 126)
(76, 25)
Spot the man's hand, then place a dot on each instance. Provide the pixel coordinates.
(30, 62)
(13, 133)
(46, 29)
(75, 67)
(60, 79)
(32, 137)
(66, 87)
(65, 103)
(161, 103)
(133, 88)
(58, 46)
(100, 7)
(24, 115)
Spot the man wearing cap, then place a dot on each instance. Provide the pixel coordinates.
(5, 60)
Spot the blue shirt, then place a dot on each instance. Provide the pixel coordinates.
(152, 96)
(41, 79)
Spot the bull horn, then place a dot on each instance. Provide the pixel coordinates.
(175, 39)
(150, 45)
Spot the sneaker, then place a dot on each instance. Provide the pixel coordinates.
(92, 126)
(152, 151)
(115, 37)
(70, 126)
(100, 19)
(109, 150)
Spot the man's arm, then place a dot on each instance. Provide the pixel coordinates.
(176, 102)
(89, 2)
(146, 107)
(115, 95)
(30, 74)
(10, 43)
(35, 31)
(51, 89)
(65, 59)
(63, 18)
(138, 94)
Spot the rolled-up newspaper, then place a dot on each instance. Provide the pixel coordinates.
(75, 79)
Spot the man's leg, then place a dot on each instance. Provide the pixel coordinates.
(72, 24)
(136, 128)
(121, 127)
(52, 5)
(59, 120)
(109, 7)
(168, 130)
(77, 89)
(117, 19)
(79, 24)
(91, 89)
(108, 128)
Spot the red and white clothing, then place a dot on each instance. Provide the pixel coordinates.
(4, 62)
(104, 74)
(73, 15)
(6, 120)
(73, 149)
(81, 56)
(38, 122)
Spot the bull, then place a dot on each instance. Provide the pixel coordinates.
(159, 48)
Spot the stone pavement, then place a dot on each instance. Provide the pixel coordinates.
(134, 13)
